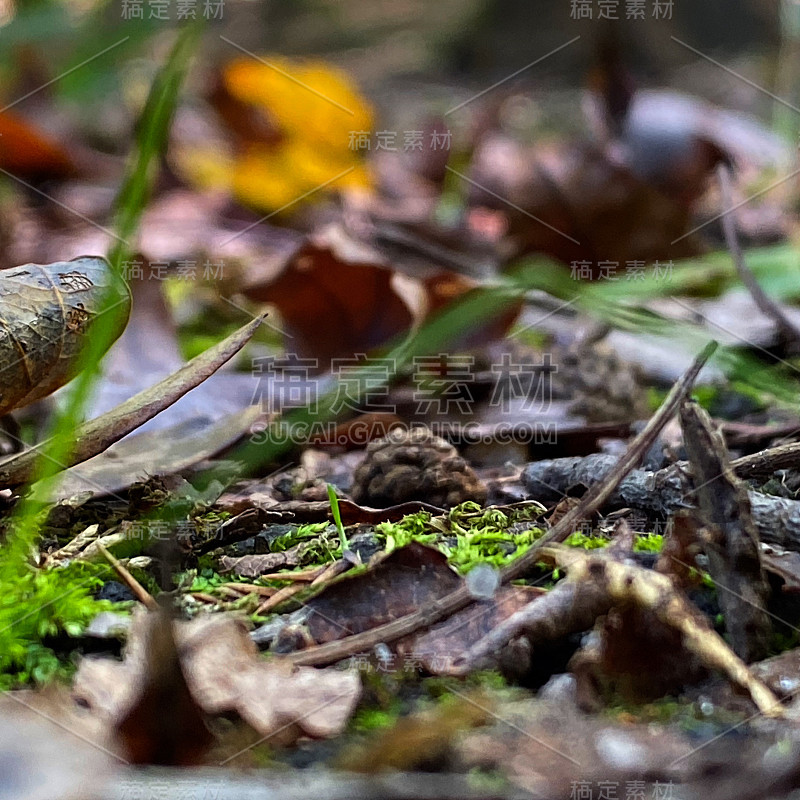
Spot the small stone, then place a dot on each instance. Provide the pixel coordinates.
(108, 625)
(483, 581)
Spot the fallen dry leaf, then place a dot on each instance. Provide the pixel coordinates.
(52, 750)
(164, 723)
(332, 307)
(288, 152)
(165, 451)
(395, 585)
(436, 648)
(225, 674)
(259, 564)
(45, 313)
(574, 203)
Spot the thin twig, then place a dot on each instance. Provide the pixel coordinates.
(141, 593)
(249, 588)
(282, 594)
(602, 490)
(303, 576)
(448, 605)
(787, 329)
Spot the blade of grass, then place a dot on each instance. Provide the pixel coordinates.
(337, 517)
(140, 176)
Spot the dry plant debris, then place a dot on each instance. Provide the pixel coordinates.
(223, 673)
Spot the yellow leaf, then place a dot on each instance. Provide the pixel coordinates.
(271, 178)
(316, 109)
(312, 101)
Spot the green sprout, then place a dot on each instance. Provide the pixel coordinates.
(337, 517)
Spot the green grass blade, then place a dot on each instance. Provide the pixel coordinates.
(140, 176)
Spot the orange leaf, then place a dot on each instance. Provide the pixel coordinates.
(28, 153)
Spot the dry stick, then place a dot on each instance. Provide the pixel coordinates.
(764, 302)
(141, 593)
(448, 605)
(765, 462)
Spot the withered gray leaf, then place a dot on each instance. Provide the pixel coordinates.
(45, 313)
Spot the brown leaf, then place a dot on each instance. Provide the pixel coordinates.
(164, 724)
(437, 648)
(45, 313)
(575, 203)
(332, 307)
(395, 585)
(261, 563)
(162, 452)
(224, 674)
(51, 750)
(28, 153)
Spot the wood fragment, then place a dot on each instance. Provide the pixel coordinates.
(765, 462)
(666, 491)
(204, 597)
(279, 597)
(332, 571)
(301, 576)
(249, 588)
(732, 544)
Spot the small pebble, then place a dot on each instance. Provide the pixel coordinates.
(483, 581)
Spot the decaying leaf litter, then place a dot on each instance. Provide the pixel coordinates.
(497, 553)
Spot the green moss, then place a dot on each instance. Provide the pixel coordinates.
(468, 534)
(648, 543)
(688, 716)
(39, 605)
(294, 537)
(440, 688)
(643, 543)
(488, 781)
(585, 542)
(372, 719)
(783, 640)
